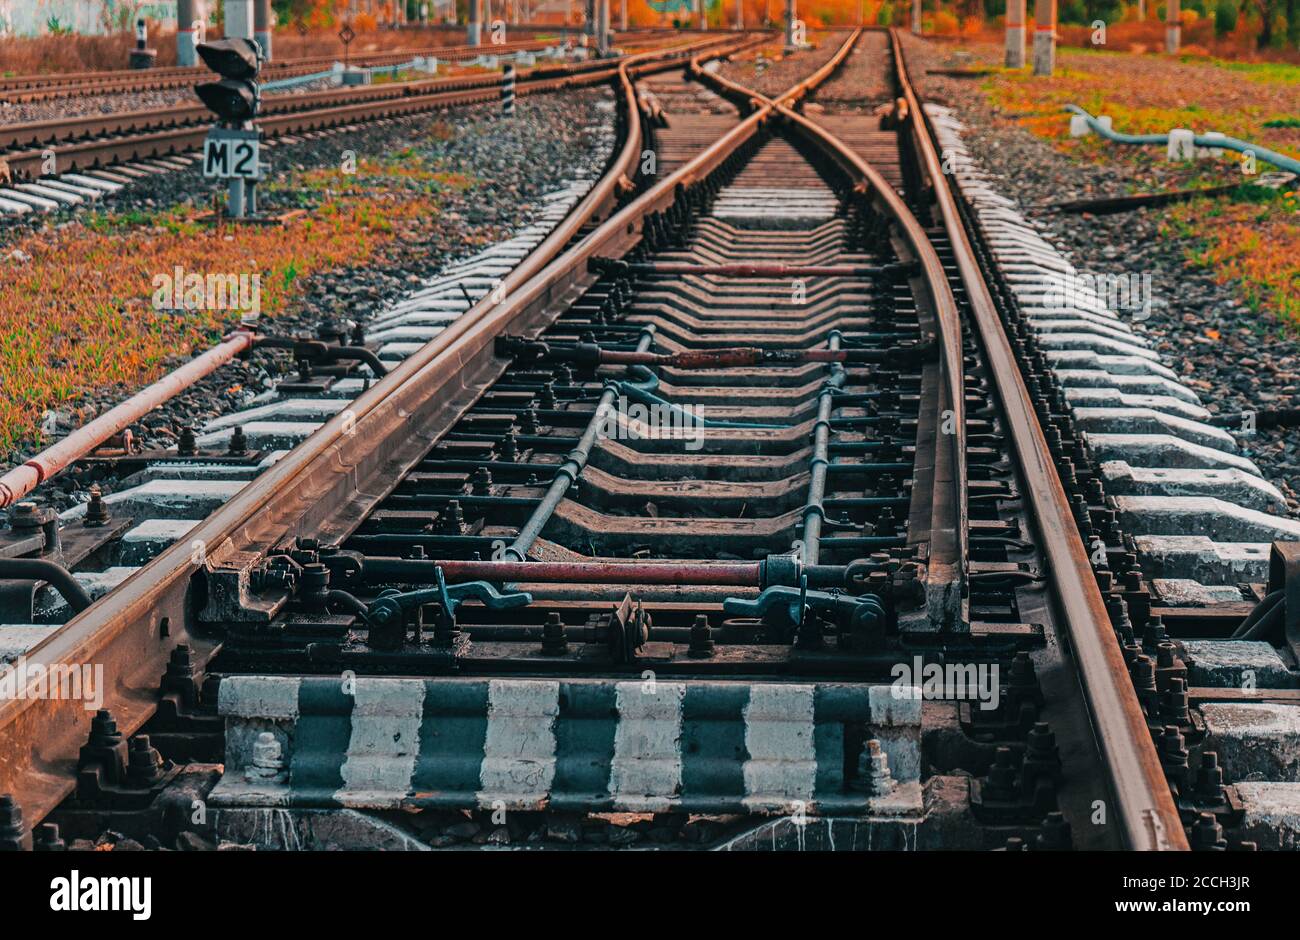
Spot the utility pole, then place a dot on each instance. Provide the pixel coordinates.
(185, 33)
(1173, 26)
(1044, 37)
(262, 26)
(474, 31)
(238, 17)
(1015, 34)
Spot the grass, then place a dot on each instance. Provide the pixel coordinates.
(1251, 241)
(77, 314)
(1101, 83)
(1250, 238)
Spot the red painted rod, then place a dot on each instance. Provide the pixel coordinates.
(598, 572)
(21, 480)
(758, 270)
(721, 358)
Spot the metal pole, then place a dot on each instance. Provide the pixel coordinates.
(916, 17)
(1015, 34)
(474, 32)
(21, 480)
(622, 15)
(740, 13)
(602, 27)
(1044, 37)
(589, 21)
(1173, 26)
(185, 33)
(238, 208)
(508, 91)
(262, 26)
(789, 24)
(238, 18)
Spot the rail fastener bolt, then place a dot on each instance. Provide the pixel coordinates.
(554, 641)
(701, 638)
(97, 513)
(13, 832)
(47, 839)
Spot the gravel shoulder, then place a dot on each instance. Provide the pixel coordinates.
(769, 70)
(1236, 358)
(498, 172)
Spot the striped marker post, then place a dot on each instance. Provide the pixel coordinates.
(508, 91)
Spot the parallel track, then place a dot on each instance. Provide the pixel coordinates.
(56, 147)
(25, 89)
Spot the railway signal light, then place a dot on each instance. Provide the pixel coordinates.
(236, 97)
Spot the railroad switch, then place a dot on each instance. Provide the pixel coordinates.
(315, 357)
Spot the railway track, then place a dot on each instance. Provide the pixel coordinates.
(51, 164)
(26, 89)
(682, 511)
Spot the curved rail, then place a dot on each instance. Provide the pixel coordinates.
(945, 576)
(1146, 809)
(324, 486)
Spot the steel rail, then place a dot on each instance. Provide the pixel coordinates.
(34, 133)
(56, 87)
(946, 567)
(37, 80)
(303, 64)
(83, 155)
(325, 486)
(1146, 808)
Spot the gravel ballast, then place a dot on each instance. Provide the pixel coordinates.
(1252, 365)
(511, 165)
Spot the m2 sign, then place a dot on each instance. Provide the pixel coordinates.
(229, 154)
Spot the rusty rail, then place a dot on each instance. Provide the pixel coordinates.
(27, 89)
(1146, 808)
(66, 129)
